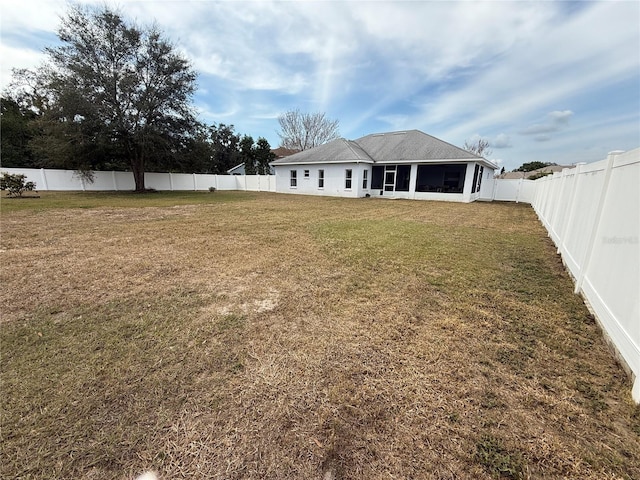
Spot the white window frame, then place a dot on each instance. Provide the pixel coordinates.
(293, 179)
(348, 178)
(321, 179)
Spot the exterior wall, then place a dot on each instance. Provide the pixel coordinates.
(334, 179)
(334, 183)
(467, 196)
(488, 185)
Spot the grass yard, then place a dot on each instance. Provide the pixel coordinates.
(261, 336)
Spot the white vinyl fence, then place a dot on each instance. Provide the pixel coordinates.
(49, 179)
(592, 213)
(514, 190)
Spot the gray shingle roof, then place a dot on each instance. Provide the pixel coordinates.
(339, 150)
(410, 145)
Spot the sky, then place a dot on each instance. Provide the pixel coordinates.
(541, 81)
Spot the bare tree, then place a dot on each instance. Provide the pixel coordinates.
(302, 131)
(480, 147)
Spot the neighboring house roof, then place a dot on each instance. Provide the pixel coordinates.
(237, 170)
(281, 152)
(512, 175)
(405, 146)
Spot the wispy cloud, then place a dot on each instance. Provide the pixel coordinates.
(502, 140)
(557, 120)
(514, 71)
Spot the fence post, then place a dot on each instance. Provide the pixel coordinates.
(519, 187)
(43, 175)
(113, 179)
(584, 265)
(195, 183)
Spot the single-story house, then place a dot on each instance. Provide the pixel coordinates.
(408, 164)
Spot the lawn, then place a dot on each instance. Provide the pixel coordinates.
(236, 335)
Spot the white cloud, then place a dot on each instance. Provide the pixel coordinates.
(13, 57)
(29, 16)
(447, 68)
(395, 122)
(502, 140)
(560, 61)
(557, 121)
(561, 117)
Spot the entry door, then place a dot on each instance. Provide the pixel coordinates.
(389, 178)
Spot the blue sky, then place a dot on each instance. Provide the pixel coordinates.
(548, 81)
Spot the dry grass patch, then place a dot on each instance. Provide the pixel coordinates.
(269, 336)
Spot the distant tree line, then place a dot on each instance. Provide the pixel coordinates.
(531, 166)
(29, 141)
(116, 96)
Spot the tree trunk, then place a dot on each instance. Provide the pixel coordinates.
(137, 167)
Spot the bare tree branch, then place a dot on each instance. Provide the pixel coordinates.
(302, 131)
(480, 147)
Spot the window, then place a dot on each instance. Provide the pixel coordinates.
(479, 184)
(403, 175)
(365, 179)
(377, 175)
(347, 178)
(306, 174)
(294, 178)
(474, 185)
(441, 178)
(320, 178)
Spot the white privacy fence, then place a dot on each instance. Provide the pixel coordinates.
(592, 213)
(514, 190)
(49, 179)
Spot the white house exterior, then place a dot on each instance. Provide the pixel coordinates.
(408, 164)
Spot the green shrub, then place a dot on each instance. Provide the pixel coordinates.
(15, 184)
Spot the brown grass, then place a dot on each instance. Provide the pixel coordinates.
(248, 336)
